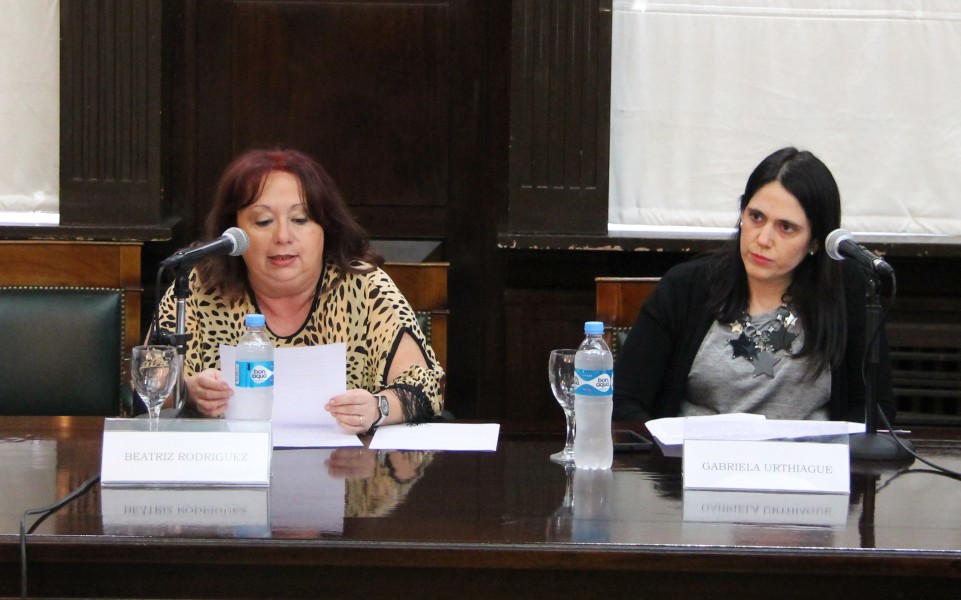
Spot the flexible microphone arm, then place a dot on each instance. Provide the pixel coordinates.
(871, 445)
(181, 337)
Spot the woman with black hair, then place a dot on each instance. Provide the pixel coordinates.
(768, 325)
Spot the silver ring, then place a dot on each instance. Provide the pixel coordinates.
(361, 417)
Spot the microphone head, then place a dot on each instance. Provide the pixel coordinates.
(832, 245)
(240, 240)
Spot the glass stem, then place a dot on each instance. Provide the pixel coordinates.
(569, 444)
(153, 410)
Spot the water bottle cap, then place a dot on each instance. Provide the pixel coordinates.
(255, 320)
(594, 328)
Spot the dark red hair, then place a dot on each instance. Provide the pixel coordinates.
(345, 241)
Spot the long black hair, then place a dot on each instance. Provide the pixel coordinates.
(816, 291)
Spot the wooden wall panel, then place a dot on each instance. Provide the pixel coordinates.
(361, 86)
(537, 322)
(110, 94)
(560, 116)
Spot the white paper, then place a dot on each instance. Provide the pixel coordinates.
(437, 436)
(670, 431)
(305, 378)
(313, 436)
(768, 429)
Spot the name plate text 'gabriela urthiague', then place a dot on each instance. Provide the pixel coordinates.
(768, 455)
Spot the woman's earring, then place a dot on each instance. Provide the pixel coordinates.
(811, 253)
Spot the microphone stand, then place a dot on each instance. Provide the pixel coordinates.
(870, 445)
(178, 339)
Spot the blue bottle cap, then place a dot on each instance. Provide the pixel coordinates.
(594, 328)
(255, 320)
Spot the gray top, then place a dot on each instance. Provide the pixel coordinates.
(720, 383)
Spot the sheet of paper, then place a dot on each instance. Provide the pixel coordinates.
(305, 377)
(670, 431)
(769, 429)
(313, 436)
(437, 436)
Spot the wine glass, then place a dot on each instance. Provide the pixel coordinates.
(561, 370)
(154, 371)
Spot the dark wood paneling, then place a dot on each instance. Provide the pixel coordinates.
(110, 78)
(560, 116)
(361, 86)
(537, 322)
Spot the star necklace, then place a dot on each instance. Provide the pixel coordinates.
(758, 342)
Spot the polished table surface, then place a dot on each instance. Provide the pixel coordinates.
(354, 522)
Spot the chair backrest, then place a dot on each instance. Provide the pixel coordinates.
(62, 350)
(618, 301)
(425, 287)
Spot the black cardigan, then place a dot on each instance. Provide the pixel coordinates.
(650, 377)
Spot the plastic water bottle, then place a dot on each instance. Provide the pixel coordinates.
(593, 400)
(253, 374)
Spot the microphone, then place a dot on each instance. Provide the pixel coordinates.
(233, 242)
(840, 245)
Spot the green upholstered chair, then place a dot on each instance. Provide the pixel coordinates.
(61, 351)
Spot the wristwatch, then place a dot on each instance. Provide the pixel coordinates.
(383, 406)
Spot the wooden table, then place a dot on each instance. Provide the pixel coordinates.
(505, 524)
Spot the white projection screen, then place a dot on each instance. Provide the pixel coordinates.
(702, 90)
(29, 111)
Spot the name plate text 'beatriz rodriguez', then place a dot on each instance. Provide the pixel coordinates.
(186, 452)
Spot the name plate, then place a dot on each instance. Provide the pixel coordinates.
(780, 466)
(186, 452)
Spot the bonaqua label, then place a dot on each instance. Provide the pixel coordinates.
(254, 374)
(594, 383)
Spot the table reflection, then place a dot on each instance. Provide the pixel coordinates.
(320, 487)
(514, 495)
(29, 470)
(559, 523)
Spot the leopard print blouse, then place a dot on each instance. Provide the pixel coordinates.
(364, 311)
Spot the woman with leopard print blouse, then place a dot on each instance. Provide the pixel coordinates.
(310, 271)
